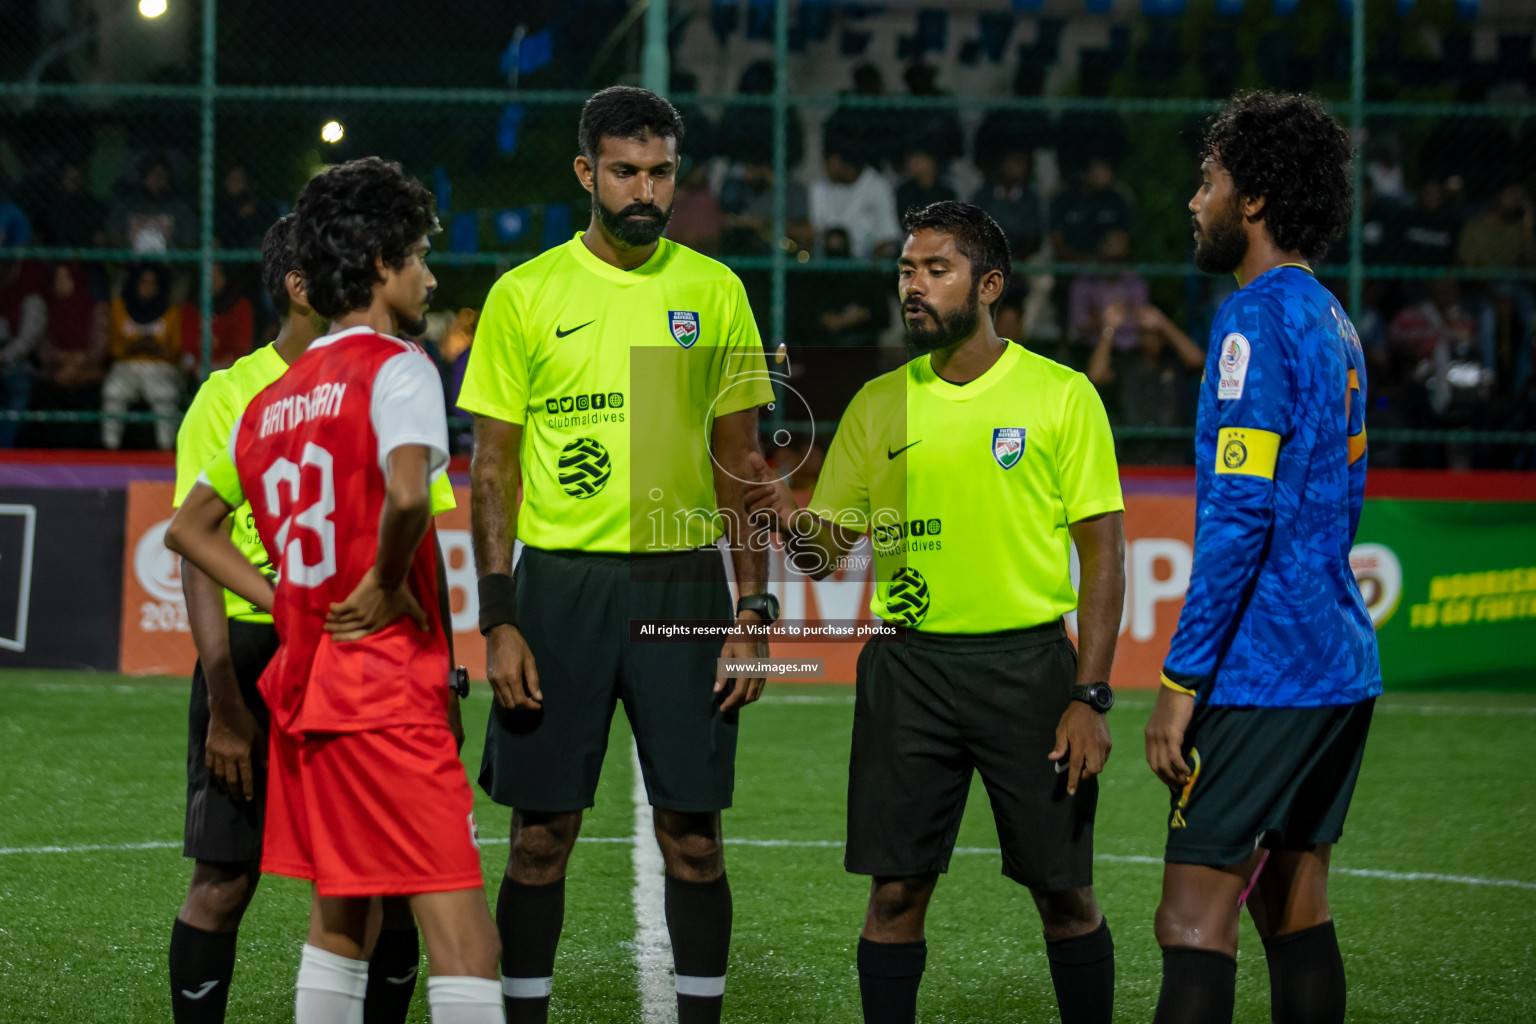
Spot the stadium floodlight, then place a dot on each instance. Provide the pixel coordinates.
(152, 8)
(332, 132)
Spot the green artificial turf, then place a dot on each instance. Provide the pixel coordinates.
(1447, 789)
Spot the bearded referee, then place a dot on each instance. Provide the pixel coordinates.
(973, 468)
(617, 377)
(226, 772)
(1272, 674)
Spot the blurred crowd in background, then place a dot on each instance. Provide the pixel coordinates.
(1445, 351)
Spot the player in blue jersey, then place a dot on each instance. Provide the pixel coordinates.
(1270, 679)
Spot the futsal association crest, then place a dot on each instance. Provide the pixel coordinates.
(1008, 446)
(684, 325)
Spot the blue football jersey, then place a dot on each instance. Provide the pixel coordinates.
(1273, 617)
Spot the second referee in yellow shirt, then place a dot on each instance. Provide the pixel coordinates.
(973, 469)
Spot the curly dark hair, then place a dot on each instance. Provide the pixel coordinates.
(1287, 150)
(348, 216)
(626, 112)
(976, 235)
(277, 258)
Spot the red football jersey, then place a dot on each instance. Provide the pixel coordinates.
(308, 453)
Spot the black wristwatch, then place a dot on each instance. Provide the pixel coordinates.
(765, 605)
(1098, 696)
(458, 681)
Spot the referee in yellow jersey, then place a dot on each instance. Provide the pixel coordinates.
(973, 469)
(617, 377)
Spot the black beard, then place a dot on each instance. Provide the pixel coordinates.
(952, 327)
(634, 234)
(417, 327)
(1222, 248)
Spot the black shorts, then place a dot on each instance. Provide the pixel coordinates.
(1278, 778)
(219, 827)
(574, 610)
(932, 709)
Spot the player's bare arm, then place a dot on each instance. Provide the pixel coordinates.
(1082, 737)
(733, 440)
(1165, 735)
(813, 545)
(197, 533)
(233, 733)
(495, 475)
(382, 597)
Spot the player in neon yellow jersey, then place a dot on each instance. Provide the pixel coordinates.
(226, 778)
(973, 469)
(617, 378)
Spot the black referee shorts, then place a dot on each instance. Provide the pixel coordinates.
(219, 827)
(933, 709)
(1278, 778)
(574, 610)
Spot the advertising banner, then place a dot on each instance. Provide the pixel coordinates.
(1452, 589)
(1450, 585)
(59, 593)
(155, 637)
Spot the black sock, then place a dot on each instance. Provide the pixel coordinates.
(1199, 987)
(1306, 976)
(1083, 973)
(201, 965)
(392, 976)
(889, 974)
(529, 918)
(699, 921)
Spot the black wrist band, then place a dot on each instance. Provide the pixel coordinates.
(498, 601)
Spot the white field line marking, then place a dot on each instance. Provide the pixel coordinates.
(653, 946)
(90, 848)
(647, 840)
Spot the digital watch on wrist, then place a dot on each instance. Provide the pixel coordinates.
(765, 605)
(458, 681)
(1098, 696)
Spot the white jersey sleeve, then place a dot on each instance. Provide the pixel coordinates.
(408, 408)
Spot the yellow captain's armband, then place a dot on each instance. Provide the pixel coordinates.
(1248, 452)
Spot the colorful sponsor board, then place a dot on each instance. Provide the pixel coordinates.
(1451, 587)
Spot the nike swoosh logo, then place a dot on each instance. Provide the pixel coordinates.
(409, 975)
(561, 334)
(207, 987)
(892, 454)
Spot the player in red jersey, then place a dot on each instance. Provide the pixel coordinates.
(367, 794)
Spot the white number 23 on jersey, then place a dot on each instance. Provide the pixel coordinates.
(284, 474)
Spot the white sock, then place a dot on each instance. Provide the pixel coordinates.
(330, 988)
(456, 999)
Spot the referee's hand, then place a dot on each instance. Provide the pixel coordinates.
(1082, 744)
(768, 502)
(742, 690)
(510, 668)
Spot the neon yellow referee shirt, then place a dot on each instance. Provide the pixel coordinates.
(967, 490)
(204, 435)
(616, 377)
